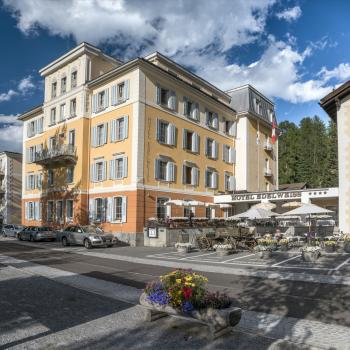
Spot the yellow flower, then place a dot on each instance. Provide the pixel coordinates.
(193, 284)
(178, 280)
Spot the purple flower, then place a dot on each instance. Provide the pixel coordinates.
(187, 307)
(159, 297)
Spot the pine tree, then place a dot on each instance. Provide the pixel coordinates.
(331, 175)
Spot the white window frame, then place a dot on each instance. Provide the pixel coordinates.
(211, 119)
(114, 171)
(211, 153)
(118, 133)
(194, 143)
(54, 89)
(52, 211)
(52, 116)
(213, 174)
(74, 81)
(170, 132)
(62, 112)
(73, 108)
(166, 207)
(59, 215)
(194, 180)
(68, 217)
(170, 98)
(63, 85)
(191, 109)
(170, 170)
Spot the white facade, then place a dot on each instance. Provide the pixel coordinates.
(10, 187)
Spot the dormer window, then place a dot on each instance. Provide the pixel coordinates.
(63, 85)
(54, 89)
(73, 79)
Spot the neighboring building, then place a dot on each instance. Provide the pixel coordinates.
(10, 187)
(113, 142)
(337, 105)
(257, 156)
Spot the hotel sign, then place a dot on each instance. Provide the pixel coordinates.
(259, 196)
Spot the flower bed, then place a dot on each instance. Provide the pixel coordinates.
(183, 293)
(223, 249)
(310, 253)
(330, 246)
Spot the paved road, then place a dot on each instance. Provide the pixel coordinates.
(285, 300)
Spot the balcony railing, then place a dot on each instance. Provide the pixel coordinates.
(268, 172)
(268, 146)
(58, 155)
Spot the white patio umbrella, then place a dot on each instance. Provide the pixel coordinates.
(288, 217)
(291, 205)
(225, 206)
(207, 204)
(177, 202)
(307, 209)
(195, 203)
(254, 214)
(265, 205)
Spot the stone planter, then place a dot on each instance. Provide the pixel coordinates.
(346, 247)
(310, 256)
(183, 250)
(219, 321)
(223, 251)
(265, 254)
(330, 248)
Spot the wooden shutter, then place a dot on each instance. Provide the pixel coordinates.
(112, 169)
(109, 211)
(112, 130)
(94, 136)
(158, 95)
(184, 179)
(215, 180)
(234, 129)
(194, 176)
(158, 129)
(124, 208)
(196, 111)
(232, 183)
(106, 101)
(206, 147)
(104, 171)
(184, 138)
(216, 120)
(206, 117)
(126, 89)
(26, 214)
(91, 209)
(186, 111)
(40, 211)
(94, 103)
(105, 132)
(195, 143)
(156, 168)
(171, 134)
(113, 95)
(126, 127)
(215, 150)
(172, 100)
(125, 166)
(170, 171)
(93, 173)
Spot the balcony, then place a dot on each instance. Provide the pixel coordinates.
(268, 146)
(59, 155)
(268, 172)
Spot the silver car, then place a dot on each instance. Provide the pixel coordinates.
(11, 230)
(89, 236)
(37, 233)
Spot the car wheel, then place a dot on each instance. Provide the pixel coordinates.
(3, 234)
(109, 245)
(19, 237)
(31, 238)
(87, 244)
(65, 242)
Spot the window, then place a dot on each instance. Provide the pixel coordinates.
(212, 119)
(99, 135)
(54, 89)
(166, 132)
(162, 209)
(59, 211)
(208, 214)
(119, 129)
(73, 79)
(211, 148)
(117, 205)
(53, 116)
(31, 154)
(39, 179)
(101, 100)
(164, 170)
(257, 105)
(190, 141)
(73, 107)
(31, 211)
(71, 138)
(52, 143)
(211, 179)
(120, 92)
(62, 112)
(191, 109)
(31, 182)
(166, 98)
(190, 175)
(31, 128)
(230, 128)
(40, 125)
(70, 174)
(230, 182)
(228, 212)
(228, 154)
(50, 179)
(69, 209)
(118, 168)
(98, 171)
(99, 209)
(50, 211)
(63, 85)
(271, 114)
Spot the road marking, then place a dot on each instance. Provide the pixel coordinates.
(237, 258)
(197, 256)
(341, 265)
(282, 262)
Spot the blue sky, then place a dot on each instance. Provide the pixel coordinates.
(293, 51)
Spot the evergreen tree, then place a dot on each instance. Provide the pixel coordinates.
(331, 175)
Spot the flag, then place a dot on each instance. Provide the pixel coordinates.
(274, 127)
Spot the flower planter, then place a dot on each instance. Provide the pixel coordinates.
(265, 254)
(219, 321)
(329, 248)
(347, 247)
(310, 256)
(222, 251)
(183, 250)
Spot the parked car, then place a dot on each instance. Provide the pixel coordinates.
(88, 235)
(11, 230)
(37, 233)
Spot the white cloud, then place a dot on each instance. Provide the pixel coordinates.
(290, 14)
(24, 87)
(341, 72)
(10, 133)
(6, 96)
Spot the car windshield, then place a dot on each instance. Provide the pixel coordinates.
(44, 229)
(18, 227)
(92, 229)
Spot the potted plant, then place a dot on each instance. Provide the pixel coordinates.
(264, 251)
(330, 246)
(310, 253)
(183, 247)
(347, 243)
(223, 249)
(284, 244)
(183, 293)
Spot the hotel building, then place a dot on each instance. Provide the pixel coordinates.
(113, 141)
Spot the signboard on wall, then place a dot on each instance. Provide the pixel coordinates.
(247, 197)
(152, 232)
